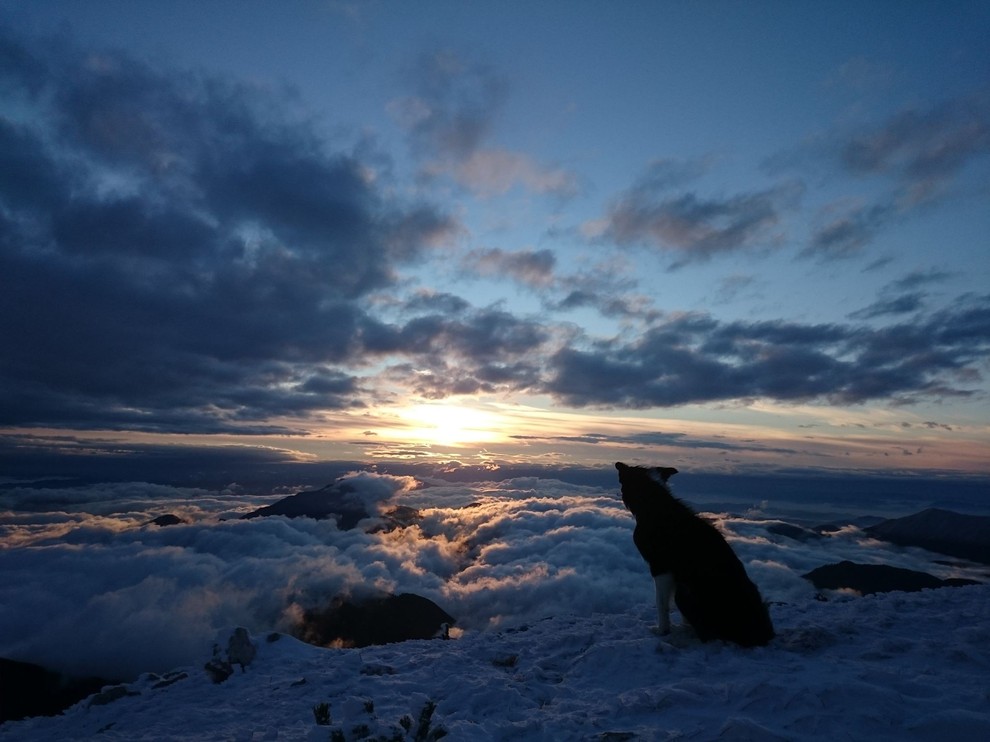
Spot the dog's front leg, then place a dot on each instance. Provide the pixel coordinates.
(665, 591)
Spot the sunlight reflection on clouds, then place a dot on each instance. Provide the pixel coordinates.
(87, 590)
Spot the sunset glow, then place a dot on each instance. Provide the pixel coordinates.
(444, 232)
(451, 425)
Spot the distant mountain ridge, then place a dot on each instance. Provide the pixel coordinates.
(868, 579)
(943, 531)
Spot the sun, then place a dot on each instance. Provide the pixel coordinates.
(451, 425)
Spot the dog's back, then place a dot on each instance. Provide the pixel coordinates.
(711, 588)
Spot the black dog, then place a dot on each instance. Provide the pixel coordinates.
(691, 561)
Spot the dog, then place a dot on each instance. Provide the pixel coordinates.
(692, 563)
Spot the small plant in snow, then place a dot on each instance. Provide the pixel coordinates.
(425, 731)
(421, 730)
(321, 712)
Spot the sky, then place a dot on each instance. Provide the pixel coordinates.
(727, 237)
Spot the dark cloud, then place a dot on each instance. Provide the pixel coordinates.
(188, 257)
(603, 288)
(846, 234)
(918, 279)
(659, 440)
(695, 358)
(922, 147)
(693, 227)
(482, 335)
(904, 304)
(917, 157)
(436, 302)
(606, 303)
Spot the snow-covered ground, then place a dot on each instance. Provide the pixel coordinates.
(553, 607)
(888, 667)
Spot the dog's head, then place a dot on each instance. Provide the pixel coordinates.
(640, 484)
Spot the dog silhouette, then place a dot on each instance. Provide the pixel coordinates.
(692, 563)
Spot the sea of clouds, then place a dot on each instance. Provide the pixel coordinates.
(88, 586)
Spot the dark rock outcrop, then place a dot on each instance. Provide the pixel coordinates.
(338, 501)
(943, 531)
(31, 690)
(401, 516)
(166, 520)
(867, 579)
(240, 651)
(380, 620)
(111, 694)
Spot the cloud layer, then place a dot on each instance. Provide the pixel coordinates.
(90, 587)
(696, 358)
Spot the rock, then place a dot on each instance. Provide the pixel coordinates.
(876, 578)
(27, 690)
(240, 650)
(401, 516)
(218, 668)
(166, 520)
(109, 695)
(340, 502)
(337, 501)
(381, 620)
(169, 679)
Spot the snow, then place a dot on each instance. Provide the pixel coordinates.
(896, 666)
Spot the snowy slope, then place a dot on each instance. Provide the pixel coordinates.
(887, 667)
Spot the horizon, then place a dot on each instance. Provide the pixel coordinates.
(450, 238)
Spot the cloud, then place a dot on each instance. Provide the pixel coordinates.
(452, 106)
(658, 439)
(211, 245)
(847, 230)
(468, 351)
(903, 304)
(482, 335)
(912, 159)
(490, 172)
(694, 358)
(918, 279)
(692, 227)
(112, 582)
(605, 286)
(90, 589)
(532, 267)
(922, 147)
(436, 302)
(449, 116)
(902, 296)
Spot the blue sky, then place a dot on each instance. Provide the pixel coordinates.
(730, 237)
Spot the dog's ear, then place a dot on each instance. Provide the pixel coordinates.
(665, 472)
(620, 466)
